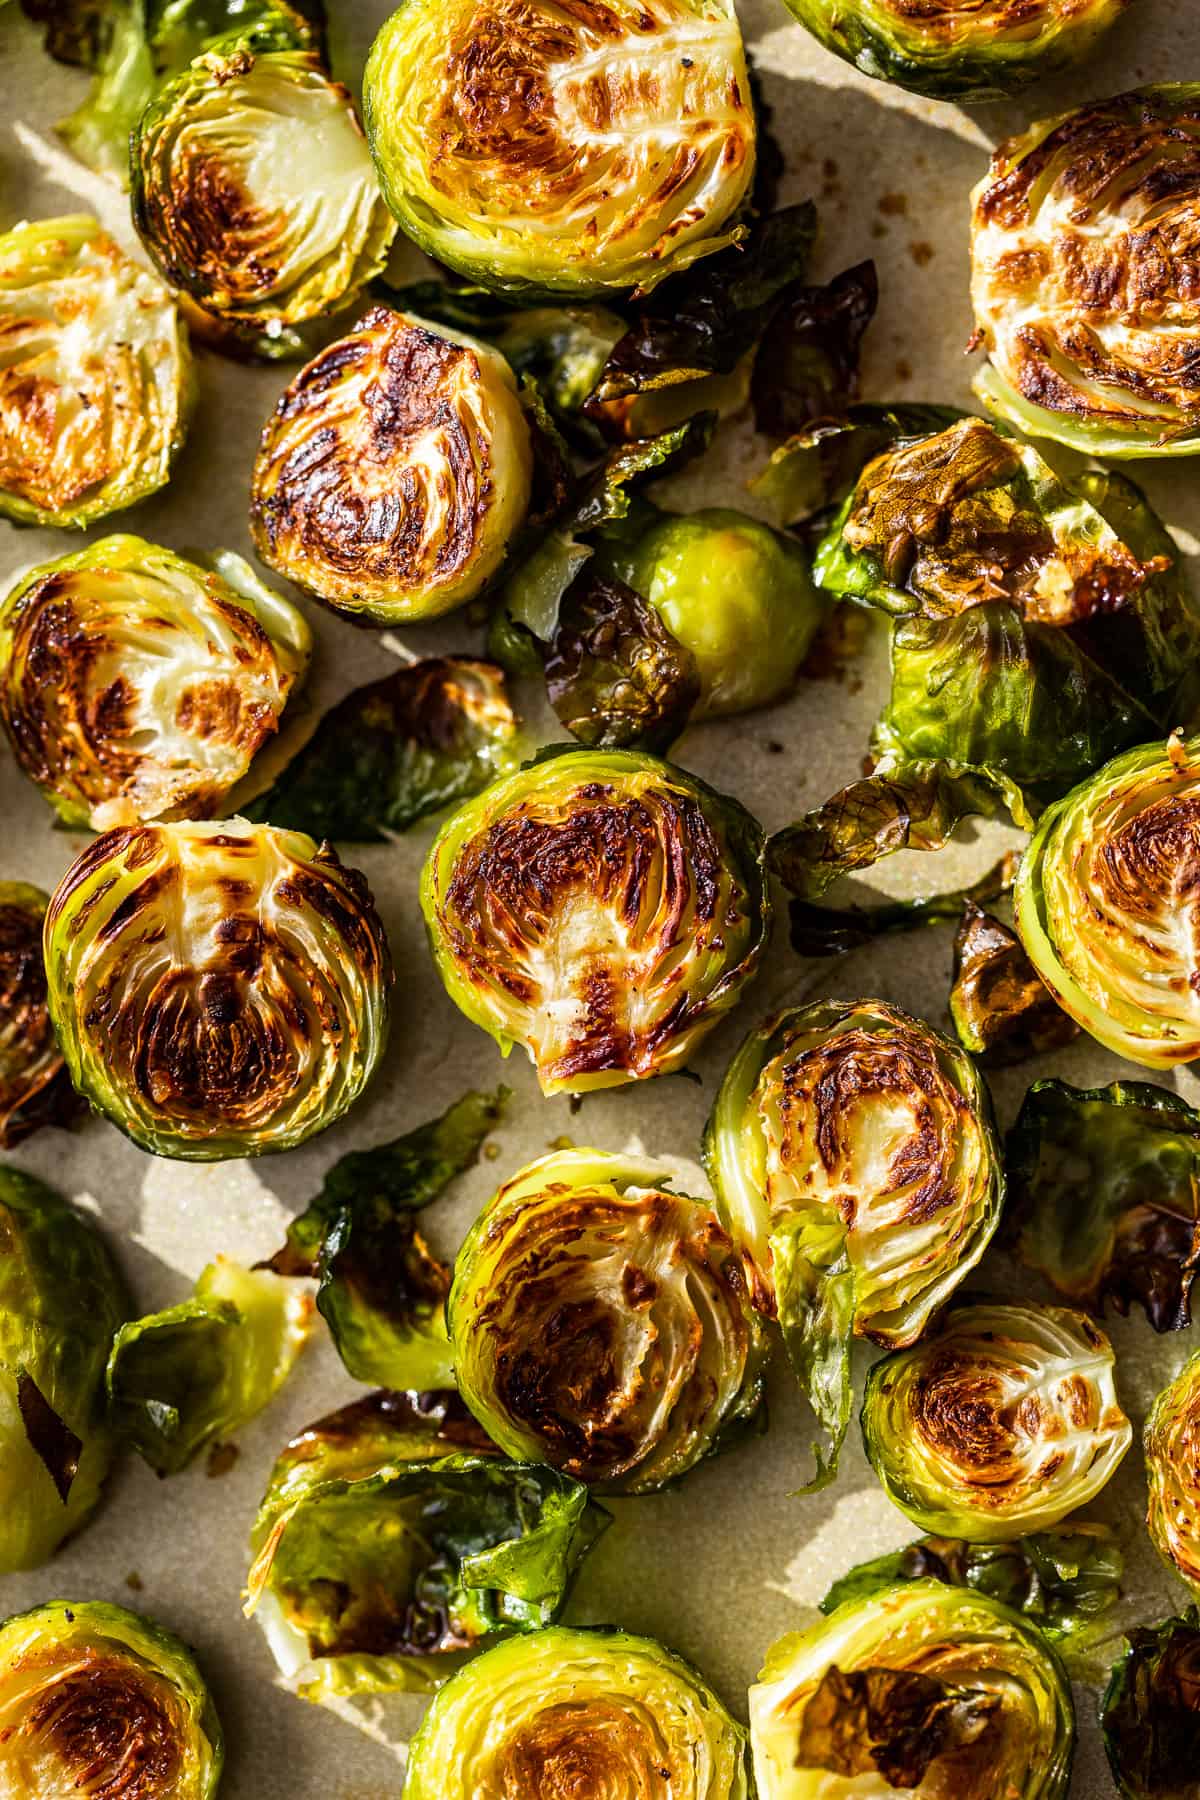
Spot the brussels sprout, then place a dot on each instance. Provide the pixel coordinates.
(135, 685)
(96, 388)
(540, 149)
(1148, 1715)
(601, 908)
(1001, 1423)
(1104, 1185)
(394, 472)
(180, 1379)
(922, 1686)
(1088, 341)
(253, 191)
(1003, 1011)
(218, 990)
(1102, 900)
(980, 51)
(853, 1156)
(393, 1538)
(567, 1713)
(1173, 1516)
(600, 1323)
(35, 1089)
(100, 1701)
(61, 1300)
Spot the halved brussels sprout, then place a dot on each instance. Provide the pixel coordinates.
(572, 1713)
(970, 50)
(600, 1323)
(99, 1701)
(1002, 1422)
(253, 191)
(96, 383)
(1080, 286)
(563, 149)
(218, 989)
(854, 1159)
(61, 1300)
(601, 908)
(393, 1538)
(135, 685)
(35, 1089)
(1003, 1011)
(1105, 903)
(394, 472)
(925, 1687)
(1150, 1713)
(1172, 1445)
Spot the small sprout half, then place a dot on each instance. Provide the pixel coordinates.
(1173, 1473)
(1150, 1713)
(96, 386)
(1000, 1423)
(218, 989)
(35, 1088)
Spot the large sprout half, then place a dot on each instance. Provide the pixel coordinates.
(35, 1088)
(135, 685)
(218, 989)
(601, 908)
(98, 1701)
(1081, 245)
(1001, 1423)
(923, 1687)
(571, 149)
(1172, 1445)
(95, 375)
(600, 1324)
(571, 1713)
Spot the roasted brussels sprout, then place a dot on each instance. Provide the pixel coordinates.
(601, 908)
(1105, 1187)
(1002, 1422)
(135, 685)
(1003, 1011)
(924, 1687)
(568, 1713)
(393, 1538)
(253, 191)
(100, 1701)
(1148, 1715)
(1080, 281)
(1171, 1439)
(35, 1089)
(949, 51)
(600, 1323)
(218, 990)
(394, 472)
(563, 150)
(853, 1156)
(61, 1300)
(96, 387)
(1104, 898)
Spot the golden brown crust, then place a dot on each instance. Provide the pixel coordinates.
(111, 1733)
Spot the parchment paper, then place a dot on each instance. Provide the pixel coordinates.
(724, 1564)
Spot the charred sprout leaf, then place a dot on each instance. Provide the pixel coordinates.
(55, 1443)
(615, 674)
(393, 752)
(180, 1380)
(218, 990)
(98, 1700)
(1003, 1011)
(807, 362)
(1046, 1430)
(889, 1722)
(600, 908)
(1149, 1714)
(35, 1089)
(838, 1243)
(831, 930)
(817, 467)
(1105, 1185)
(587, 1712)
(77, 31)
(1173, 1516)
(394, 1538)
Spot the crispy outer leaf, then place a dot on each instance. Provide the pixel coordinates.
(615, 673)
(56, 1444)
(1150, 1714)
(1003, 1011)
(889, 1722)
(829, 930)
(815, 1305)
(806, 367)
(817, 467)
(77, 31)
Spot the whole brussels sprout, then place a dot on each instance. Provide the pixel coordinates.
(565, 1713)
(254, 193)
(394, 472)
(599, 1323)
(599, 907)
(135, 685)
(218, 989)
(98, 1701)
(96, 384)
(35, 1089)
(1150, 1713)
(1080, 283)
(1172, 1435)
(853, 1156)
(536, 148)
(1000, 1423)
(926, 1687)
(61, 1300)
(1103, 897)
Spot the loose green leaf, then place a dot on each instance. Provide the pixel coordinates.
(817, 467)
(1150, 1714)
(615, 674)
(807, 362)
(830, 930)
(1003, 1011)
